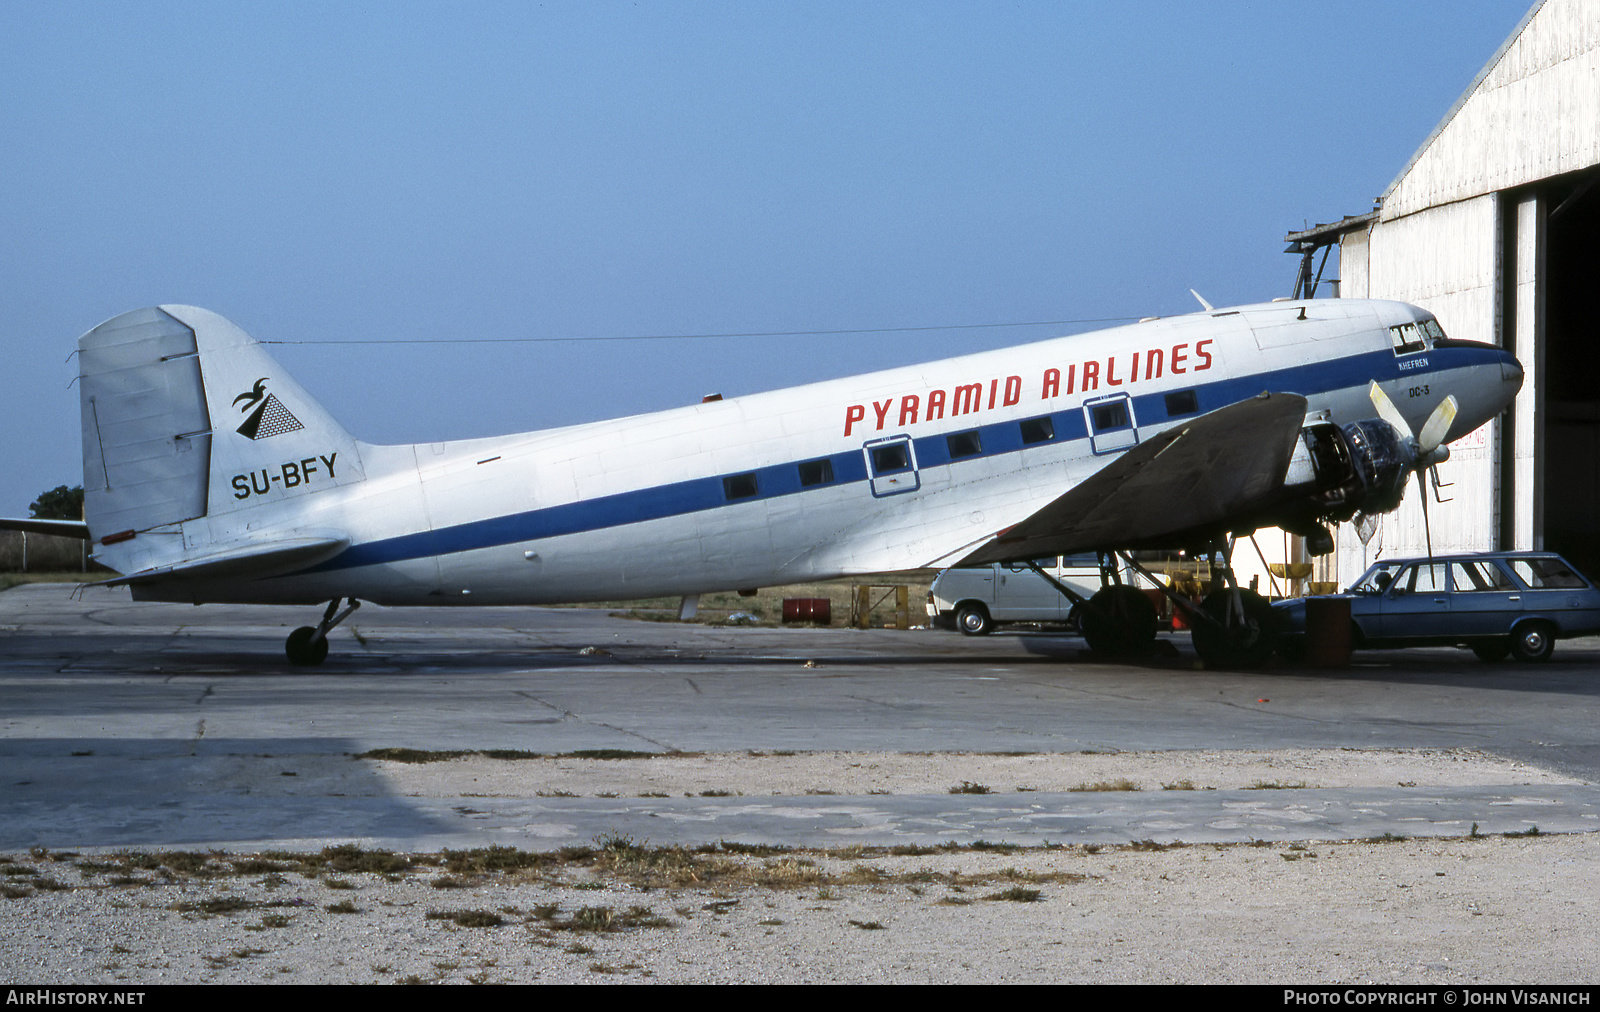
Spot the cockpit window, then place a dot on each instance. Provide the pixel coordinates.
(1409, 338)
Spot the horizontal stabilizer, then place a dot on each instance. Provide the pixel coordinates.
(60, 528)
(1189, 482)
(246, 562)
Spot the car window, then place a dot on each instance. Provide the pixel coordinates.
(1376, 580)
(1045, 562)
(1546, 574)
(1478, 575)
(1423, 579)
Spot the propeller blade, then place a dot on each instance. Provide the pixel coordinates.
(1433, 431)
(1387, 411)
(1427, 529)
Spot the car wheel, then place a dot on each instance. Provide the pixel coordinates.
(1533, 641)
(1492, 650)
(973, 620)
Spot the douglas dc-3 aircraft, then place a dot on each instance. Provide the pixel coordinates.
(211, 476)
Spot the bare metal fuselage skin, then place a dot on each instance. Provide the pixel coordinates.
(901, 469)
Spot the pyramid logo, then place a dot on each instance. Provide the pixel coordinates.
(265, 414)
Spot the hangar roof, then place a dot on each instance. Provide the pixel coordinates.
(1532, 112)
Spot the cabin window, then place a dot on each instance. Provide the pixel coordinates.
(740, 486)
(816, 472)
(891, 457)
(964, 444)
(1038, 430)
(1184, 402)
(1111, 416)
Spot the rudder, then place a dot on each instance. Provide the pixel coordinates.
(186, 417)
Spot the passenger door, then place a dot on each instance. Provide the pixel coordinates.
(1417, 604)
(892, 466)
(1112, 425)
(1484, 601)
(1022, 595)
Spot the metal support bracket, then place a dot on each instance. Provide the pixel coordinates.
(330, 620)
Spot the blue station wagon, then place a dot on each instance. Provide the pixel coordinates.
(1495, 603)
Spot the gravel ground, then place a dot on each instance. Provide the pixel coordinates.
(1461, 911)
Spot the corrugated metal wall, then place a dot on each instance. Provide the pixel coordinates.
(1448, 234)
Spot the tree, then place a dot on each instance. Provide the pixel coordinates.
(60, 503)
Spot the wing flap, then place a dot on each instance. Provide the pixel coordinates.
(1188, 480)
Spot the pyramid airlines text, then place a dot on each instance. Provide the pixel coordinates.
(1087, 377)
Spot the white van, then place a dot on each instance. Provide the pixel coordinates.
(977, 599)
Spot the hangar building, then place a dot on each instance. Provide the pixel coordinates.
(1494, 225)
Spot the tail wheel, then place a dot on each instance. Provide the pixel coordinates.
(1117, 620)
(973, 620)
(305, 648)
(1533, 641)
(1236, 640)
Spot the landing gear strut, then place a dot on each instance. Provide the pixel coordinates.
(307, 646)
(1236, 627)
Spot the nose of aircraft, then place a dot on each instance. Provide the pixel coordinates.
(1482, 390)
(1510, 375)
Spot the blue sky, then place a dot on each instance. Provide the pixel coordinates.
(351, 172)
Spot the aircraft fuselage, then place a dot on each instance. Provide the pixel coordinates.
(900, 469)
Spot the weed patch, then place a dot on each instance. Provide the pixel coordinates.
(468, 918)
(1120, 784)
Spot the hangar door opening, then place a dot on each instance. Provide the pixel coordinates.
(1572, 370)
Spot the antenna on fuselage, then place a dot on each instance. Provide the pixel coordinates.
(1208, 306)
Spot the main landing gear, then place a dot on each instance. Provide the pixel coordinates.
(1117, 619)
(307, 646)
(1234, 626)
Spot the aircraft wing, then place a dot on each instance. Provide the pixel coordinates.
(1190, 481)
(60, 528)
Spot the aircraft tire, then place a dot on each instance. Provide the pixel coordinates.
(973, 620)
(302, 650)
(1248, 646)
(1118, 620)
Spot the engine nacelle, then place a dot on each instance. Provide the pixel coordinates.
(1338, 470)
(1384, 459)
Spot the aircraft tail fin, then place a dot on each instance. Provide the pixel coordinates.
(186, 418)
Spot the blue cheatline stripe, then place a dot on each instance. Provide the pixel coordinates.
(849, 467)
